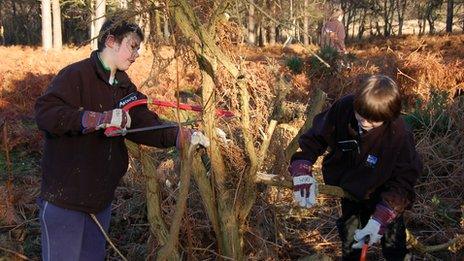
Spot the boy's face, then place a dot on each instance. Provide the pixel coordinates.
(367, 124)
(126, 52)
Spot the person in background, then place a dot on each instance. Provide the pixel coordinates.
(371, 155)
(81, 166)
(333, 32)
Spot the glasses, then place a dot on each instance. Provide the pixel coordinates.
(133, 46)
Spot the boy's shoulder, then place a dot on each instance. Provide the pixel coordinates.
(82, 66)
(345, 101)
(401, 129)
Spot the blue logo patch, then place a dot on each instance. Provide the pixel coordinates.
(371, 160)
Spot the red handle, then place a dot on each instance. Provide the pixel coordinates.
(364, 251)
(112, 131)
(183, 106)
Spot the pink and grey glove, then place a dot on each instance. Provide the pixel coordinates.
(376, 225)
(92, 121)
(304, 185)
(187, 136)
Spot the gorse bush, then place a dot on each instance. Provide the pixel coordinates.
(432, 115)
(328, 54)
(295, 64)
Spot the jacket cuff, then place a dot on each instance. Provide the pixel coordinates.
(384, 215)
(90, 121)
(299, 167)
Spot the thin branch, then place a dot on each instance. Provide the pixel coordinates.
(14, 252)
(168, 250)
(266, 142)
(107, 237)
(217, 15)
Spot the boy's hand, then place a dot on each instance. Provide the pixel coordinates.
(92, 120)
(187, 136)
(376, 226)
(118, 118)
(371, 230)
(304, 185)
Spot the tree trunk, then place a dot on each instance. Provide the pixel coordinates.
(262, 36)
(159, 33)
(2, 32)
(98, 8)
(400, 10)
(305, 23)
(46, 25)
(272, 25)
(57, 36)
(251, 23)
(166, 31)
(449, 16)
(362, 24)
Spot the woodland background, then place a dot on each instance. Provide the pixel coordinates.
(258, 59)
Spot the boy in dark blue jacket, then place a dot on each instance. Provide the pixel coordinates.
(372, 155)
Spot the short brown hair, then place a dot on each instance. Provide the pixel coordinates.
(118, 28)
(378, 99)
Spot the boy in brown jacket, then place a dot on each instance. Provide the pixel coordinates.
(372, 156)
(81, 166)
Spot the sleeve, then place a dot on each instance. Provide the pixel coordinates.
(141, 117)
(57, 111)
(399, 189)
(314, 142)
(341, 36)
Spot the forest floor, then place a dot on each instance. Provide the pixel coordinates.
(421, 65)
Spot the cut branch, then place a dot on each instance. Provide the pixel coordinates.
(169, 250)
(315, 104)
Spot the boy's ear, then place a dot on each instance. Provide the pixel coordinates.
(110, 41)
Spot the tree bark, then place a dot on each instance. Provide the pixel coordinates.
(400, 11)
(57, 36)
(449, 16)
(46, 25)
(98, 9)
(251, 23)
(305, 22)
(159, 33)
(272, 25)
(166, 31)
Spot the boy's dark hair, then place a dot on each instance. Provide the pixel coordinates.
(378, 99)
(119, 29)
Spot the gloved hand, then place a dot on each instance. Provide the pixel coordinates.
(198, 138)
(304, 185)
(92, 120)
(376, 225)
(185, 136)
(372, 230)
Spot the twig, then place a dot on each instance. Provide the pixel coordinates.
(107, 237)
(15, 253)
(213, 252)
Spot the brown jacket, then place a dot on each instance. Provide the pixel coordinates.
(386, 164)
(82, 171)
(333, 35)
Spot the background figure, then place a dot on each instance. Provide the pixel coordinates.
(333, 32)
